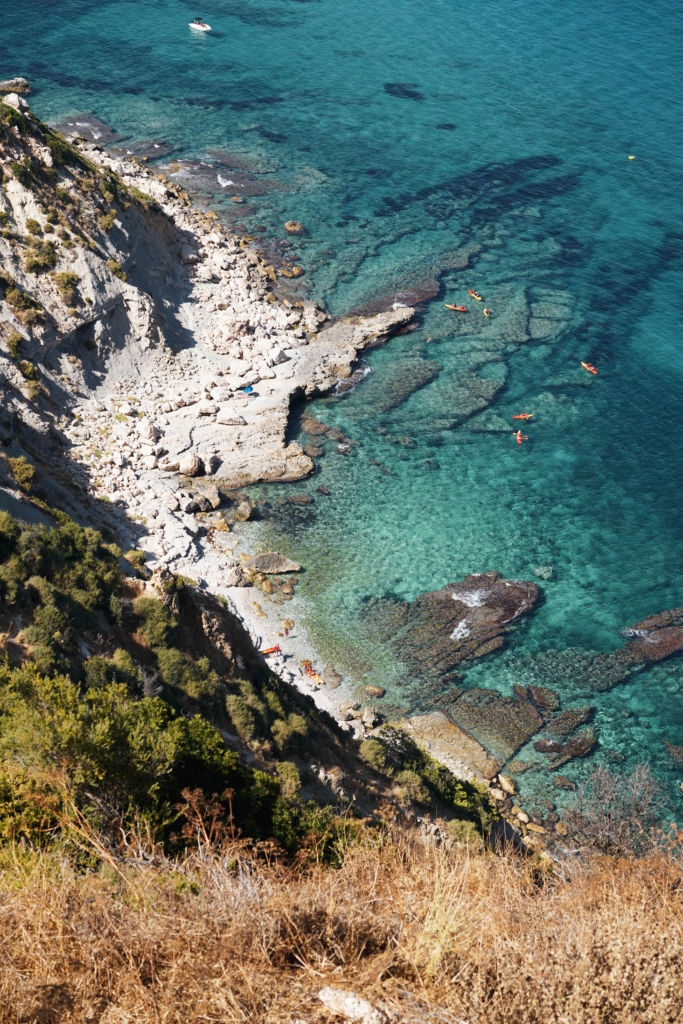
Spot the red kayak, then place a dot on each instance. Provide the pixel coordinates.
(458, 309)
(590, 368)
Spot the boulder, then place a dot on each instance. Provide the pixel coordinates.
(205, 408)
(212, 496)
(190, 464)
(350, 1006)
(375, 691)
(313, 426)
(507, 784)
(14, 85)
(211, 464)
(277, 355)
(332, 678)
(188, 255)
(293, 227)
(271, 562)
(244, 512)
(300, 499)
(543, 698)
(148, 430)
(675, 752)
(170, 502)
(148, 462)
(170, 465)
(544, 572)
(229, 418)
(16, 101)
(562, 782)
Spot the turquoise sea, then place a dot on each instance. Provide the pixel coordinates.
(411, 140)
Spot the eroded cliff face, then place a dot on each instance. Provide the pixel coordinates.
(130, 328)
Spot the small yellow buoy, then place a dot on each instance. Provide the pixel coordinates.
(631, 158)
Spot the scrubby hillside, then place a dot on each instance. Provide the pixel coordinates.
(183, 835)
(121, 697)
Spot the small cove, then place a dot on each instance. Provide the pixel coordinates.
(578, 251)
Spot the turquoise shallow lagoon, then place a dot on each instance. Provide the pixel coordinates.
(410, 139)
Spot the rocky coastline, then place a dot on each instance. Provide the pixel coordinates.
(158, 364)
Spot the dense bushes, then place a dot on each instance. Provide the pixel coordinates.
(421, 779)
(66, 572)
(120, 760)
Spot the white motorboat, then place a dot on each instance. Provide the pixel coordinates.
(199, 25)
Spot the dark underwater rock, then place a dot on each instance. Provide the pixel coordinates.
(544, 698)
(390, 389)
(580, 746)
(569, 720)
(675, 752)
(442, 628)
(403, 90)
(548, 746)
(501, 724)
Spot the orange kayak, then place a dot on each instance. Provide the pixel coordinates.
(523, 416)
(271, 650)
(590, 368)
(475, 295)
(458, 309)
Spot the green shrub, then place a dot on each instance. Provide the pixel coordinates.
(40, 256)
(422, 779)
(375, 754)
(25, 308)
(289, 733)
(10, 116)
(64, 195)
(121, 759)
(290, 780)
(243, 717)
(107, 221)
(157, 622)
(117, 270)
(66, 282)
(98, 673)
(194, 679)
(28, 370)
(33, 227)
(23, 472)
(62, 152)
(4, 218)
(412, 787)
(14, 343)
(22, 172)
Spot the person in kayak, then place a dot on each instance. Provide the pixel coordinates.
(487, 312)
(520, 436)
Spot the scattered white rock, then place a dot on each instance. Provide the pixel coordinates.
(351, 1006)
(190, 464)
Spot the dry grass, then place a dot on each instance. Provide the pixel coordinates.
(426, 934)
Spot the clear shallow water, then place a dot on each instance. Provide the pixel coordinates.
(342, 106)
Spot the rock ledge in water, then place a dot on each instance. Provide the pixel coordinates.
(271, 562)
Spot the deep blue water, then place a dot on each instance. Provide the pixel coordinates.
(398, 134)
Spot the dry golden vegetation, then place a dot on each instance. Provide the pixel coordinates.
(424, 933)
